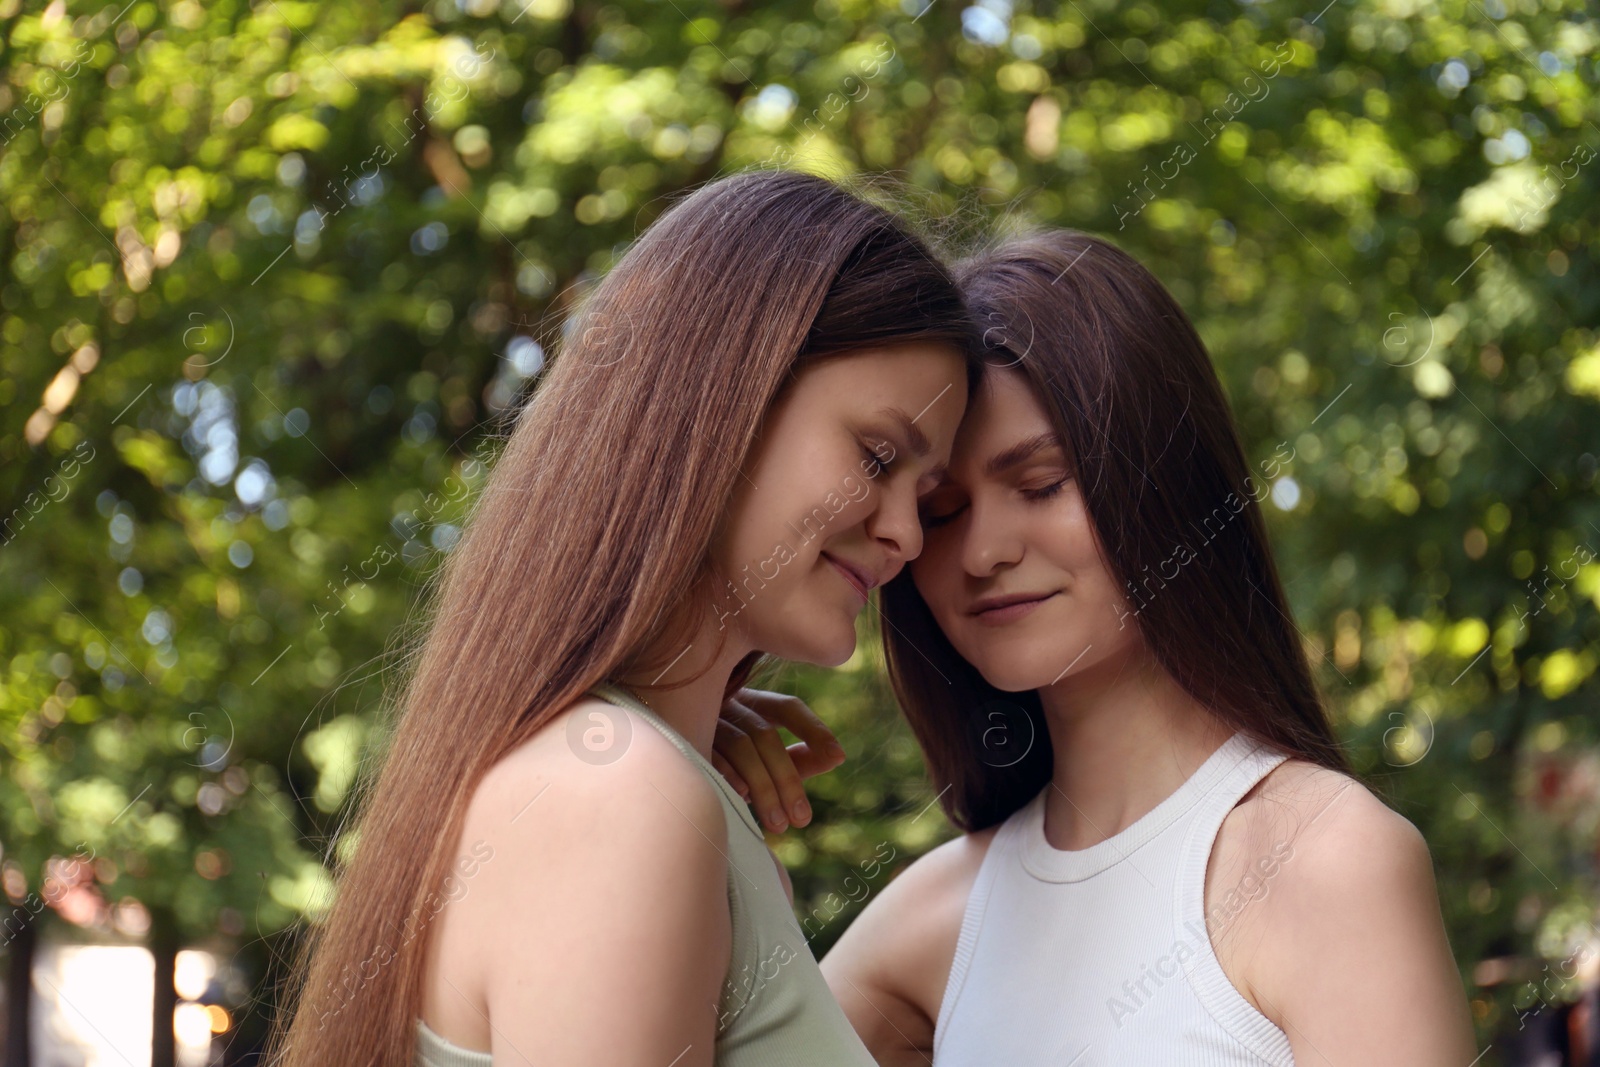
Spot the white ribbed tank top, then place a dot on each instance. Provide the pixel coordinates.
(1100, 957)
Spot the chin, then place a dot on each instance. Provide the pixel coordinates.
(1012, 678)
(833, 657)
(842, 648)
(817, 648)
(840, 659)
(1013, 673)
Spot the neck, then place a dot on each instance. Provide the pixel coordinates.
(690, 706)
(1125, 737)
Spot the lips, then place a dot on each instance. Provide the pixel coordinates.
(857, 579)
(1006, 608)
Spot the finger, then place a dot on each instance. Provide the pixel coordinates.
(794, 715)
(809, 763)
(741, 753)
(734, 778)
(733, 748)
(775, 758)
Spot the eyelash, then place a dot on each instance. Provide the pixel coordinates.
(1046, 492)
(933, 522)
(872, 457)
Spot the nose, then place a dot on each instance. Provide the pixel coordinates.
(988, 542)
(894, 525)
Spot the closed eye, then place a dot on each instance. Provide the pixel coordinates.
(1047, 491)
(873, 461)
(933, 522)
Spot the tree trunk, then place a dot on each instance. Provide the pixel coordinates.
(19, 992)
(164, 947)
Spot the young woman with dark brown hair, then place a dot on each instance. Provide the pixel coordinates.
(722, 461)
(1165, 859)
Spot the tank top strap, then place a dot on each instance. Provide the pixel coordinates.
(1000, 856)
(775, 1008)
(615, 694)
(745, 953)
(1250, 762)
(1241, 762)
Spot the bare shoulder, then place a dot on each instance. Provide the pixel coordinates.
(628, 839)
(894, 960)
(1322, 907)
(944, 874)
(926, 900)
(1329, 831)
(592, 753)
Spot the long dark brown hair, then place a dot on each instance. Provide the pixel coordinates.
(589, 543)
(1130, 389)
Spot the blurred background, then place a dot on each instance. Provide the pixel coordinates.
(273, 273)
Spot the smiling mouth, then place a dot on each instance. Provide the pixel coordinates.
(850, 576)
(1009, 609)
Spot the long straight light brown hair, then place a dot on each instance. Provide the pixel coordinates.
(1129, 387)
(590, 541)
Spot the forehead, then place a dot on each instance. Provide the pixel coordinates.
(1003, 412)
(874, 373)
(924, 384)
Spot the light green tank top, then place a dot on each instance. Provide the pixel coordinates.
(775, 1009)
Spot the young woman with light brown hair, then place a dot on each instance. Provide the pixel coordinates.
(720, 464)
(1163, 858)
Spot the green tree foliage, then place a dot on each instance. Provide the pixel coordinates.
(272, 273)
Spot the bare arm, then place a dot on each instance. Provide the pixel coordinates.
(599, 932)
(888, 970)
(1352, 961)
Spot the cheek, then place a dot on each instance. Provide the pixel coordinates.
(1067, 534)
(1095, 584)
(740, 538)
(804, 502)
(935, 573)
(812, 479)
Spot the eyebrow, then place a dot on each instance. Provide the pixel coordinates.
(918, 440)
(1019, 453)
(915, 437)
